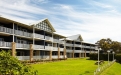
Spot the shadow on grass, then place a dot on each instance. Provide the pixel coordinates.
(85, 73)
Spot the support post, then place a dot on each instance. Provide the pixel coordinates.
(58, 52)
(73, 54)
(85, 54)
(50, 57)
(31, 52)
(13, 49)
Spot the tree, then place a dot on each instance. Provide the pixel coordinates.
(104, 44)
(116, 46)
(10, 65)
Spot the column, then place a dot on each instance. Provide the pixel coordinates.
(50, 56)
(85, 53)
(13, 49)
(73, 54)
(58, 52)
(79, 55)
(31, 52)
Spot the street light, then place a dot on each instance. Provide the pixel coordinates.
(108, 55)
(99, 58)
(113, 55)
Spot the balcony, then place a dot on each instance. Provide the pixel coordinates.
(38, 47)
(22, 46)
(61, 42)
(56, 40)
(55, 49)
(67, 44)
(69, 50)
(77, 45)
(6, 30)
(39, 36)
(87, 46)
(48, 38)
(22, 33)
(23, 57)
(48, 48)
(61, 49)
(5, 44)
(77, 51)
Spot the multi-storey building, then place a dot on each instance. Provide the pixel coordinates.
(76, 47)
(38, 41)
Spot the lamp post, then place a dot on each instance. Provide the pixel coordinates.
(99, 59)
(108, 55)
(113, 55)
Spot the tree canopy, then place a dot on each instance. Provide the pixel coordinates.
(107, 44)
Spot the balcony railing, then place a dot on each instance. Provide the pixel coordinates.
(39, 36)
(25, 46)
(69, 50)
(48, 47)
(48, 38)
(38, 46)
(77, 45)
(5, 44)
(61, 42)
(22, 33)
(77, 51)
(67, 44)
(55, 49)
(56, 40)
(6, 30)
(87, 46)
(61, 49)
(23, 57)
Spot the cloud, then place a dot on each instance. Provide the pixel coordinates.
(95, 20)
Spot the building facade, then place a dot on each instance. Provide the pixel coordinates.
(38, 41)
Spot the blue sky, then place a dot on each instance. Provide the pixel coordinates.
(93, 19)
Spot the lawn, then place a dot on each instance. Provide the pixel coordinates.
(113, 70)
(67, 67)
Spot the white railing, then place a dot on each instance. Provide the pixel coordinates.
(77, 51)
(67, 44)
(55, 56)
(22, 33)
(38, 46)
(23, 57)
(55, 40)
(61, 56)
(6, 30)
(48, 47)
(87, 46)
(55, 49)
(19, 45)
(77, 45)
(5, 44)
(69, 50)
(61, 49)
(48, 38)
(61, 42)
(39, 36)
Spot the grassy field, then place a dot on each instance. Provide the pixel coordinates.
(67, 67)
(113, 70)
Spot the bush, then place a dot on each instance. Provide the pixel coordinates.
(10, 65)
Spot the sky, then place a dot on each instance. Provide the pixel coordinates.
(92, 19)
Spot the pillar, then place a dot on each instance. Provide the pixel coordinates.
(50, 57)
(31, 52)
(64, 53)
(58, 53)
(73, 54)
(13, 49)
(79, 55)
(85, 53)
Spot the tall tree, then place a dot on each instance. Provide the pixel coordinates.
(104, 44)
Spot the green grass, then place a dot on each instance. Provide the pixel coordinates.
(113, 70)
(67, 67)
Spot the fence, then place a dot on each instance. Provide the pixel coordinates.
(98, 72)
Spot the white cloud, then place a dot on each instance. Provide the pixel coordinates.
(67, 20)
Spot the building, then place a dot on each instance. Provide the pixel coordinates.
(39, 41)
(77, 48)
